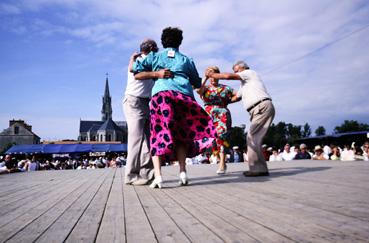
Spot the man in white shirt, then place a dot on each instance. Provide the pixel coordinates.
(287, 154)
(139, 167)
(259, 104)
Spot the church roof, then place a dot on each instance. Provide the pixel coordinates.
(84, 126)
(109, 125)
(94, 128)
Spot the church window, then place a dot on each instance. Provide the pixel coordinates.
(16, 130)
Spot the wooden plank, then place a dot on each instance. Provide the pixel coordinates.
(248, 225)
(87, 226)
(222, 229)
(16, 200)
(138, 227)
(112, 228)
(285, 223)
(37, 204)
(33, 230)
(62, 227)
(31, 213)
(190, 225)
(165, 228)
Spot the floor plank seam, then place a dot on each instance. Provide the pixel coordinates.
(71, 230)
(206, 226)
(107, 198)
(147, 217)
(150, 191)
(92, 182)
(51, 207)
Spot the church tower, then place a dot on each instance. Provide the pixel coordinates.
(106, 106)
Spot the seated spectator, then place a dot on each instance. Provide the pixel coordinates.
(366, 151)
(358, 154)
(275, 156)
(236, 155)
(287, 154)
(303, 153)
(319, 154)
(335, 154)
(8, 166)
(327, 150)
(347, 154)
(3, 168)
(202, 159)
(214, 158)
(265, 152)
(244, 154)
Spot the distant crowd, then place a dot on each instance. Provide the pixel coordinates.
(346, 153)
(33, 163)
(297, 152)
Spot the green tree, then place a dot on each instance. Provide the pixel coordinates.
(6, 147)
(320, 131)
(306, 132)
(351, 126)
(293, 133)
(276, 135)
(237, 136)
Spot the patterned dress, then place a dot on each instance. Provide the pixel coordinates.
(216, 100)
(178, 118)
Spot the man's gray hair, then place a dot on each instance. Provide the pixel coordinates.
(241, 64)
(148, 45)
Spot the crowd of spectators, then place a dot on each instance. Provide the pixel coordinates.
(32, 163)
(40, 162)
(347, 153)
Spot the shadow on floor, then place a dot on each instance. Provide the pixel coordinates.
(237, 176)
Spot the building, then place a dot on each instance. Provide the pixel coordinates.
(18, 132)
(105, 130)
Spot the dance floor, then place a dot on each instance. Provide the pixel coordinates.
(301, 201)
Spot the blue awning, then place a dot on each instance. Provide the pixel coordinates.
(65, 148)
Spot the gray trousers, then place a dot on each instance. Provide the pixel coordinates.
(139, 164)
(261, 117)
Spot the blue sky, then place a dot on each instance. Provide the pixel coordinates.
(55, 53)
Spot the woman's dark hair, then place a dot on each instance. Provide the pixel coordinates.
(171, 37)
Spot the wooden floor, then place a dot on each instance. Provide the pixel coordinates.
(302, 201)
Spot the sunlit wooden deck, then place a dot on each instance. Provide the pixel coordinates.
(302, 201)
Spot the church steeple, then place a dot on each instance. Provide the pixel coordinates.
(106, 106)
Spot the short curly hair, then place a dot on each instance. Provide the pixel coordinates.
(171, 37)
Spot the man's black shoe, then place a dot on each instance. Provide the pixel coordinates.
(255, 174)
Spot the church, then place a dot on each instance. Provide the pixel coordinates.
(105, 130)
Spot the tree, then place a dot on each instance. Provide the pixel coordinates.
(6, 147)
(351, 126)
(276, 135)
(237, 136)
(306, 132)
(293, 133)
(320, 131)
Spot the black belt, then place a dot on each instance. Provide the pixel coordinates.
(252, 107)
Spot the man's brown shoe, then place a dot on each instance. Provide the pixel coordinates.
(254, 174)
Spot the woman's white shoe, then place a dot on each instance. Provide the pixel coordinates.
(183, 180)
(157, 183)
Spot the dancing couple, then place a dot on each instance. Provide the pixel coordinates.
(172, 99)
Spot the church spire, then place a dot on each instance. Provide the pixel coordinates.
(106, 106)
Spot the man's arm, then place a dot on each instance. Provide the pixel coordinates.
(235, 98)
(132, 61)
(163, 73)
(227, 76)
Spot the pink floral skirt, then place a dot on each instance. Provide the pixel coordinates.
(175, 119)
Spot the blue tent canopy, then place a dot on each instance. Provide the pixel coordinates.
(65, 148)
